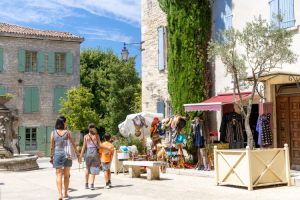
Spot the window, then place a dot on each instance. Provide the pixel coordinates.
(58, 93)
(30, 140)
(286, 7)
(170, 112)
(60, 63)
(161, 49)
(161, 107)
(31, 61)
(223, 15)
(242, 83)
(31, 99)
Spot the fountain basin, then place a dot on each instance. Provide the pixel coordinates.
(22, 162)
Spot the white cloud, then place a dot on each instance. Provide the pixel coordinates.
(54, 11)
(100, 34)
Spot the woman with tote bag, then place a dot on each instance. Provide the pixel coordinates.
(60, 160)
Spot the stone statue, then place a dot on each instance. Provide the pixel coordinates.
(3, 132)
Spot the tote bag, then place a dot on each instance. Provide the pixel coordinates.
(69, 149)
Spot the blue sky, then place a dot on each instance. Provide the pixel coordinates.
(105, 23)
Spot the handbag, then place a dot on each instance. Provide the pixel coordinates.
(69, 149)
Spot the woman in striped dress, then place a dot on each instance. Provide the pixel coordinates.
(92, 160)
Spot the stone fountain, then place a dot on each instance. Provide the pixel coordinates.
(8, 160)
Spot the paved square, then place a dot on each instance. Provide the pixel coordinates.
(40, 184)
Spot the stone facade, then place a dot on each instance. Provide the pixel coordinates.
(154, 81)
(15, 81)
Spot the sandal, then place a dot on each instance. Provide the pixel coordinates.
(66, 196)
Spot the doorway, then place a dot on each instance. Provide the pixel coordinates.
(288, 125)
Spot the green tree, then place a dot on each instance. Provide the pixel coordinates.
(257, 49)
(78, 110)
(138, 100)
(113, 82)
(189, 29)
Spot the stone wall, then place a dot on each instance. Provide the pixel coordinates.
(46, 82)
(154, 81)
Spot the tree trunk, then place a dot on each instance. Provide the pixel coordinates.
(249, 132)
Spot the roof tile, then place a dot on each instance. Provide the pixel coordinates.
(11, 28)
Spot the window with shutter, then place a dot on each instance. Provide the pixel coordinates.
(31, 99)
(286, 8)
(49, 130)
(223, 16)
(161, 107)
(51, 62)
(1, 60)
(69, 63)
(161, 49)
(58, 93)
(41, 61)
(21, 60)
(41, 138)
(31, 61)
(2, 90)
(21, 133)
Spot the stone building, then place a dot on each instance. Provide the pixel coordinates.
(37, 67)
(155, 96)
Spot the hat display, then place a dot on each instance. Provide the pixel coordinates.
(180, 139)
(155, 120)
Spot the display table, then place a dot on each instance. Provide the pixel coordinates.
(152, 168)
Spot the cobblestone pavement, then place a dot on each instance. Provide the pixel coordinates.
(40, 184)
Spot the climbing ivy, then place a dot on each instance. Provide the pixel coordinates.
(189, 29)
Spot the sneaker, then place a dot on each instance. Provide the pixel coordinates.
(109, 184)
(86, 186)
(107, 187)
(92, 187)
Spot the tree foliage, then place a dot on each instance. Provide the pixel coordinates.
(113, 82)
(78, 110)
(257, 49)
(189, 28)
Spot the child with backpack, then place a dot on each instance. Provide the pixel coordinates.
(106, 159)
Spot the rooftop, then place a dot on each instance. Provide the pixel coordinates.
(11, 28)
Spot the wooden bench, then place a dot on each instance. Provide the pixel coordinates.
(152, 168)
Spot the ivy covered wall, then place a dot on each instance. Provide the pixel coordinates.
(189, 30)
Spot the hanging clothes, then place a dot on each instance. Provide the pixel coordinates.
(192, 130)
(234, 132)
(199, 139)
(223, 127)
(258, 128)
(266, 133)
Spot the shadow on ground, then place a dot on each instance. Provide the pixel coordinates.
(115, 186)
(254, 188)
(90, 196)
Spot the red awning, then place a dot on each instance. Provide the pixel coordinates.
(214, 103)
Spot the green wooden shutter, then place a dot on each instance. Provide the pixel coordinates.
(21, 133)
(41, 138)
(1, 60)
(57, 95)
(34, 99)
(2, 90)
(51, 62)
(41, 61)
(22, 60)
(69, 63)
(63, 94)
(49, 130)
(28, 99)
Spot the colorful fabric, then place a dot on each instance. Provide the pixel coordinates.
(199, 139)
(258, 129)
